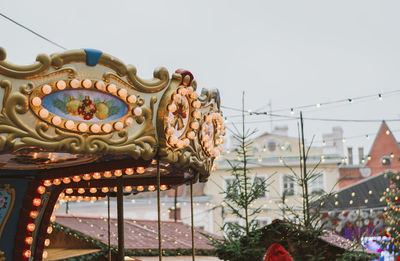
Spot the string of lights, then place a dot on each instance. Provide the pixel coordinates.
(33, 32)
(379, 96)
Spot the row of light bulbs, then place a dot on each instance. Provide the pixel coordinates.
(83, 127)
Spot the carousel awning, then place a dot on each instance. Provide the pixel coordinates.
(81, 124)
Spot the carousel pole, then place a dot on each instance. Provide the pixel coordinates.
(120, 213)
(192, 220)
(159, 211)
(109, 225)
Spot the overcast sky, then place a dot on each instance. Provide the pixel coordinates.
(291, 53)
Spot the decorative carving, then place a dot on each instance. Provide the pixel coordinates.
(7, 198)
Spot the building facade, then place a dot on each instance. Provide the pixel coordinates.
(275, 155)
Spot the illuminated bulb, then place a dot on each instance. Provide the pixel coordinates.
(56, 120)
(69, 124)
(36, 202)
(107, 174)
(196, 104)
(177, 97)
(291, 111)
(106, 127)
(183, 91)
(87, 198)
(140, 170)
(86, 176)
(173, 140)
(132, 99)
(95, 128)
(81, 190)
(100, 85)
(76, 178)
(28, 240)
(380, 96)
(351, 202)
(56, 206)
(172, 107)
(112, 88)
(47, 182)
(118, 125)
(366, 201)
(41, 190)
(36, 101)
(343, 140)
(30, 227)
(190, 90)
(43, 113)
(97, 175)
(80, 198)
(82, 127)
(118, 173)
(129, 171)
(33, 214)
(191, 135)
(151, 188)
(336, 203)
(195, 125)
(122, 93)
(129, 121)
(93, 199)
(128, 188)
(53, 218)
(180, 144)
(87, 83)
(318, 105)
(61, 196)
(186, 142)
(45, 254)
(194, 95)
(93, 190)
(137, 111)
(69, 190)
(74, 83)
(104, 189)
(67, 198)
(66, 180)
(26, 253)
(370, 192)
(196, 114)
(46, 89)
(49, 229)
(353, 194)
(47, 242)
(163, 187)
(387, 132)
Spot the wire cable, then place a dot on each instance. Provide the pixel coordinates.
(33, 32)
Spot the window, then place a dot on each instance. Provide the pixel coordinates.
(317, 185)
(259, 179)
(288, 182)
(385, 161)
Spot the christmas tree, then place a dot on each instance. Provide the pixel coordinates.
(242, 240)
(392, 213)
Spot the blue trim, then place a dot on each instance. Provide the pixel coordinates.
(92, 56)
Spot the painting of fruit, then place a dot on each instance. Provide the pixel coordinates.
(85, 105)
(87, 109)
(72, 106)
(102, 110)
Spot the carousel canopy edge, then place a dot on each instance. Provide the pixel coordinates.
(80, 105)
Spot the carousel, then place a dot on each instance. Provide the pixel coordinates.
(81, 125)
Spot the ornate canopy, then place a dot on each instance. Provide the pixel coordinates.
(72, 122)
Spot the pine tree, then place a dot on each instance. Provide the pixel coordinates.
(241, 240)
(392, 213)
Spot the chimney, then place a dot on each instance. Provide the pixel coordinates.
(361, 155)
(350, 155)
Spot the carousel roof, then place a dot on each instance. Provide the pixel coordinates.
(84, 108)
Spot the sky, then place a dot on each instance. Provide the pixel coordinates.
(288, 53)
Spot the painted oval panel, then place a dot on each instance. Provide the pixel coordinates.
(85, 105)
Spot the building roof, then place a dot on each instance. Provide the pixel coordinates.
(365, 194)
(139, 234)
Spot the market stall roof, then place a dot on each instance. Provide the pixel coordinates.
(365, 195)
